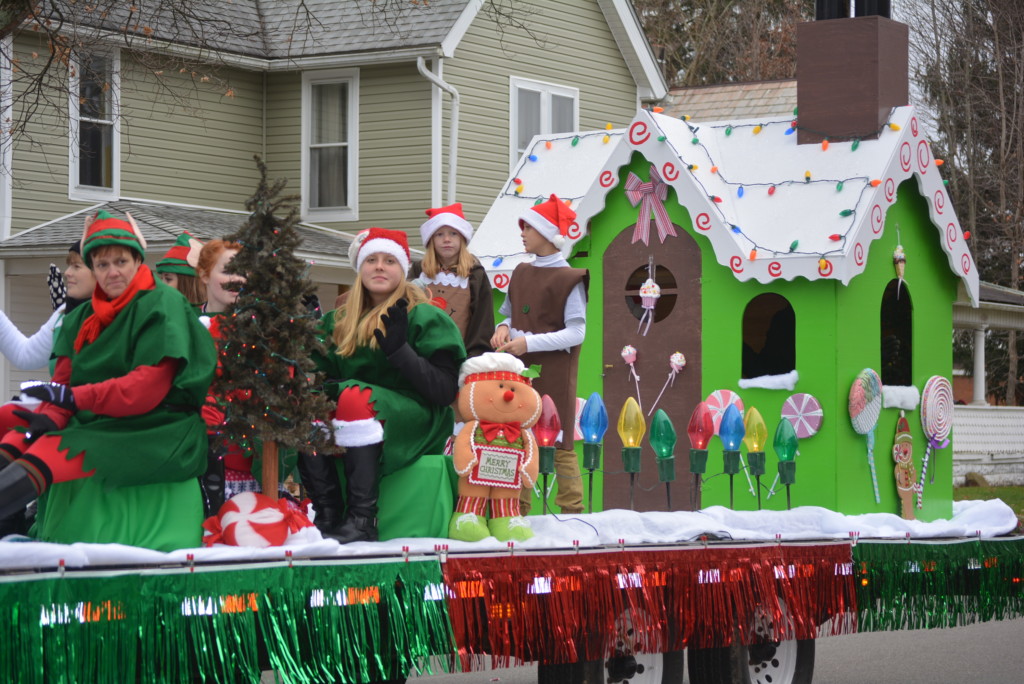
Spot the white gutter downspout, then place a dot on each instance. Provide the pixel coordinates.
(453, 136)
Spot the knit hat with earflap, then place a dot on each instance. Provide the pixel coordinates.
(552, 219)
(450, 216)
(382, 240)
(182, 257)
(104, 229)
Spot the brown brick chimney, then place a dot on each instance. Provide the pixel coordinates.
(850, 73)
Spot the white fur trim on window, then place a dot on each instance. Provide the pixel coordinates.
(353, 433)
(786, 381)
(900, 396)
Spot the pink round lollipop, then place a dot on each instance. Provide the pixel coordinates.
(804, 412)
(718, 401)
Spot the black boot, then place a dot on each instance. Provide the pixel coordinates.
(16, 491)
(212, 482)
(320, 479)
(362, 474)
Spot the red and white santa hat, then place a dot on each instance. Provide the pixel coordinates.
(552, 219)
(450, 216)
(381, 241)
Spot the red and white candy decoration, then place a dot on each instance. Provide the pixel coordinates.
(254, 520)
(804, 412)
(718, 401)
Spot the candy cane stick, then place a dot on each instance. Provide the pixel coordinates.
(924, 472)
(871, 463)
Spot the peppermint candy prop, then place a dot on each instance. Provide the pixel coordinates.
(804, 412)
(650, 292)
(256, 520)
(629, 356)
(936, 421)
(865, 406)
(718, 401)
(676, 363)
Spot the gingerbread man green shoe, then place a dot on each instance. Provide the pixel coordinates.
(468, 527)
(510, 529)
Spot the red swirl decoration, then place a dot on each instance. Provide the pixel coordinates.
(703, 221)
(950, 235)
(965, 263)
(736, 264)
(877, 219)
(574, 231)
(607, 179)
(775, 269)
(906, 156)
(858, 254)
(924, 157)
(826, 269)
(669, 171)
(890, 190)
(638, 133)
(913, 125)
(501, 281)
(940, 201)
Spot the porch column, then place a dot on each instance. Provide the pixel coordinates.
(979, 367)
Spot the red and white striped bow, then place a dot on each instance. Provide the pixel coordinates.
(651, 198)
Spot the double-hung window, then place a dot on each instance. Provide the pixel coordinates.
(330, 153)
(539, 109)
(95, 139)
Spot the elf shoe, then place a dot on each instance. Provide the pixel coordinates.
(510, 529)
(468, 527)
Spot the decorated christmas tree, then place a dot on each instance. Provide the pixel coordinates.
(266, 371)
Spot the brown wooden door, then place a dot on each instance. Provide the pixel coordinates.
(676, 327)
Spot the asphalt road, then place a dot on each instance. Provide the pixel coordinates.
(989, 653)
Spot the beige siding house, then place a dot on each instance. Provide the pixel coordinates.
(372, 116)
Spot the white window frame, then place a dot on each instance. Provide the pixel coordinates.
(324, 77)
(6, 146)
(546, 90)
(76, 191)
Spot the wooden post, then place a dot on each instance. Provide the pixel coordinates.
(270, 475)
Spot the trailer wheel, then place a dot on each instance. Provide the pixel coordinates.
(784, 662)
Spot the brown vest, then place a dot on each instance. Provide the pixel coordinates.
(538, 297)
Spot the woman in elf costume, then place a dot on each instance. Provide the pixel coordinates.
(117, 440)
(178, 269)
(396, 362)
(454, 277)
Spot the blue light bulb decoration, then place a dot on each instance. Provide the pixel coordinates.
(593, 425)
(731, 432)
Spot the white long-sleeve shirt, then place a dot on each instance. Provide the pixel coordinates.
(575, 316)
(27, 353)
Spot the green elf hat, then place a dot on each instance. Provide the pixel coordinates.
(103, 228)
(182, 258)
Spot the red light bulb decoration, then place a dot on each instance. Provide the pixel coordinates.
(700, 430)
(547, 428)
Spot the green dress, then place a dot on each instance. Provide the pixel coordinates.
(412, 427)
(144, 491)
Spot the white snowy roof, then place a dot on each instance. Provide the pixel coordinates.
(770, 208)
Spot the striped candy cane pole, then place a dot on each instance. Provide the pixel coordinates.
(871, 463)
(924, 472)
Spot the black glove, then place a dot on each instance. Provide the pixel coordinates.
(396, 323)
(53, 393)
(312, 304)
(38, 424)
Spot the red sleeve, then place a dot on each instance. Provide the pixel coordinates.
(138, 392)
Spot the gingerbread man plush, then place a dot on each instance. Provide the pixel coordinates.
(495, 451)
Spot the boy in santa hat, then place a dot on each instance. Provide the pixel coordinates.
(545, 322)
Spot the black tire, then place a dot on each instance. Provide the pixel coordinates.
(788, 662)
(655, 668)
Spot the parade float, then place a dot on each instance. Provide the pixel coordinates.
(751, 289)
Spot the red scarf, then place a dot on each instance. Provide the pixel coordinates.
(104, 310)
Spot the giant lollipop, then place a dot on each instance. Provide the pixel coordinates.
(865, 405)
(936, 421)
(804, 412)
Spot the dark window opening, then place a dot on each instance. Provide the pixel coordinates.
(769, 336)
(897, 333)
(664, 304)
